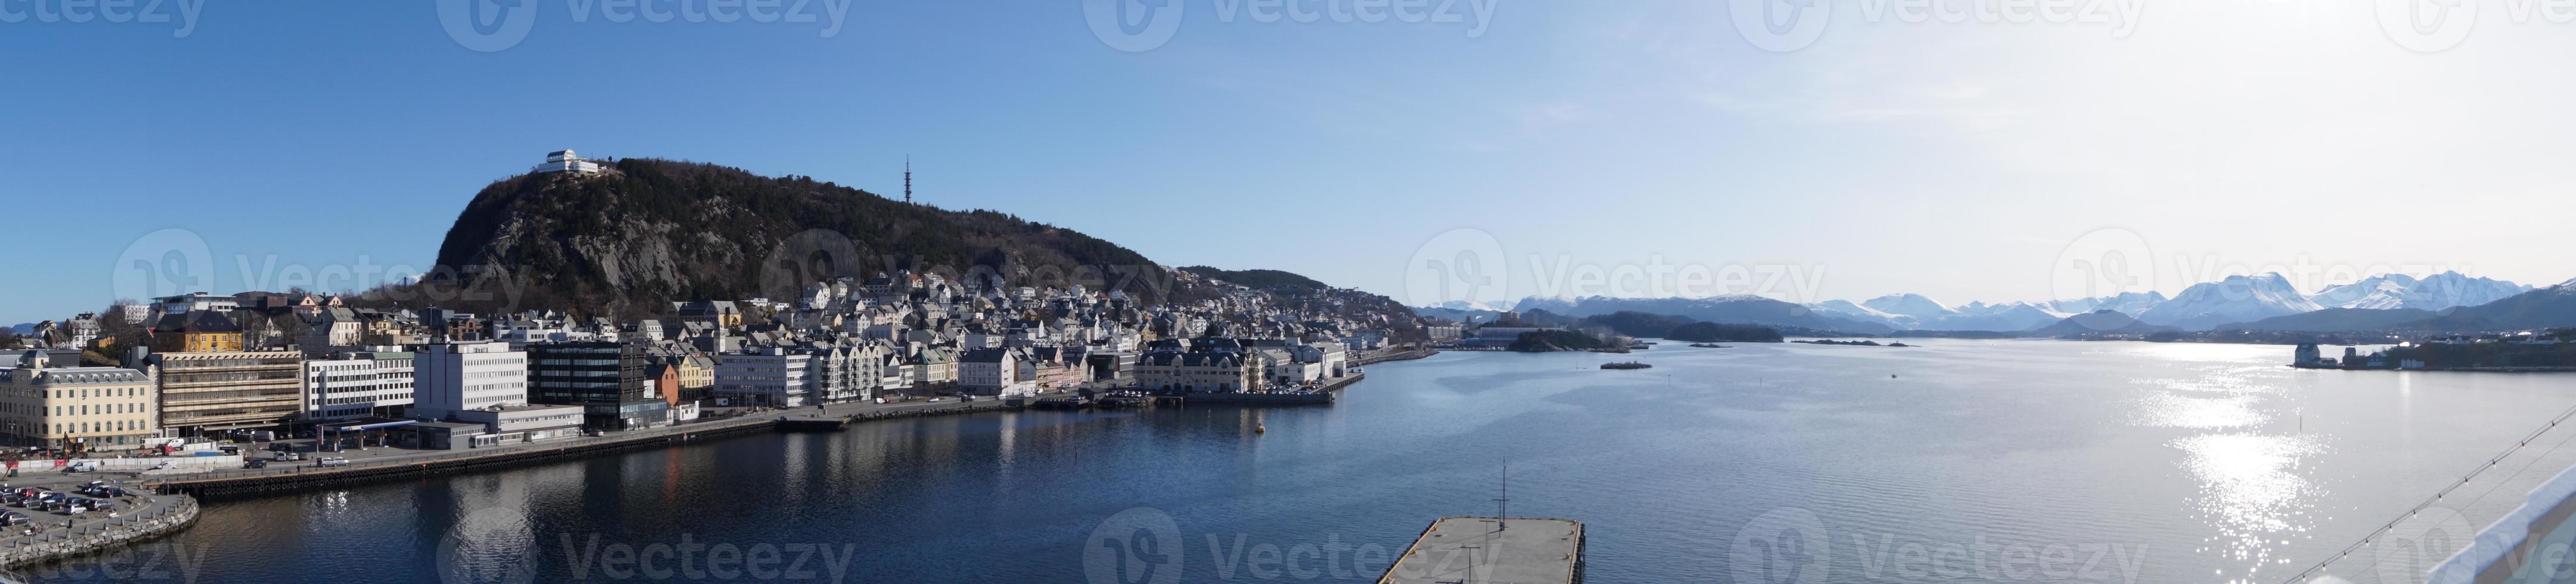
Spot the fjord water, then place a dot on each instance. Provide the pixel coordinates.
(1958, 461)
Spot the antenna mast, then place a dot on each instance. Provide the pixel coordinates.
(907, 179)
(1503, 506)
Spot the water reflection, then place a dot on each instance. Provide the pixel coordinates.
(2252, 491)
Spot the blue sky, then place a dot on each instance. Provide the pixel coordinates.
(1961, 160)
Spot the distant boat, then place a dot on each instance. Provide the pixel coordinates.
(1627, 365)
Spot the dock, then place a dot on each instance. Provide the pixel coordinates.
(1480, 550)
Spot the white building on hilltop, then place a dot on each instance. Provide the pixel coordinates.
(566, 161)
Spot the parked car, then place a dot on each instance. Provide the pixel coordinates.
(334, 461)
(255, 463)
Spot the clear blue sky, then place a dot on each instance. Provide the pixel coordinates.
(1956, 160)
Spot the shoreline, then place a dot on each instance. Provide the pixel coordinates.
(192, 493)
(180, 513)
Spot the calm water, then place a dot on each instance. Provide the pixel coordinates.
(1979, 461)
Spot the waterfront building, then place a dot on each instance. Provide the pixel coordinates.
(1197, 372)
(997, 372)
(357, 385)
(213, 391)
(605, 378)
(770, 377)
(48, 401)
(453, 377)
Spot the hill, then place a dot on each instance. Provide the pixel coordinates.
(1634, 324)
(1260, 279)
(647, 232)
(2550, 307)
(2339, 320)
(2100, 322)
(1709, 332)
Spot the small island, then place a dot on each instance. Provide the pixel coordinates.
(1624, 366)
(1709, 346)
(1851, 343)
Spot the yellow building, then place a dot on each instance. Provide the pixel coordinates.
(202, 331)
(76, 408)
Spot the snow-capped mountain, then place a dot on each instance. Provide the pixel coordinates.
(1731, 309)
(2129, 303)
(2436, 292)
(2235, 299)
(1916, 312)
(2381, 292)
(1910, 305)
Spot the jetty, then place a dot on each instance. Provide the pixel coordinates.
(1492, 549)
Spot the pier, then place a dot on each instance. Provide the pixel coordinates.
(1479, 550)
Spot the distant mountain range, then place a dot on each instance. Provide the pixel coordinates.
(1732, 309)
(2447, 301)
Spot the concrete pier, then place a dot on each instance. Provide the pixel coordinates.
(1481, 550)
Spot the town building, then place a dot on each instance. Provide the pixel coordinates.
(997, 372)
(605, 378)
(48, 402)
(357, 385)
(454, 377)
(567, 161)
(206, 392)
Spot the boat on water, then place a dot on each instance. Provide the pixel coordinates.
(1627, 365)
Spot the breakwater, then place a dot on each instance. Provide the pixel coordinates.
(168, 515)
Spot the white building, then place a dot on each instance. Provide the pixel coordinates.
(566, 161)
(997, 372)
(452, 377)
(353, 385)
